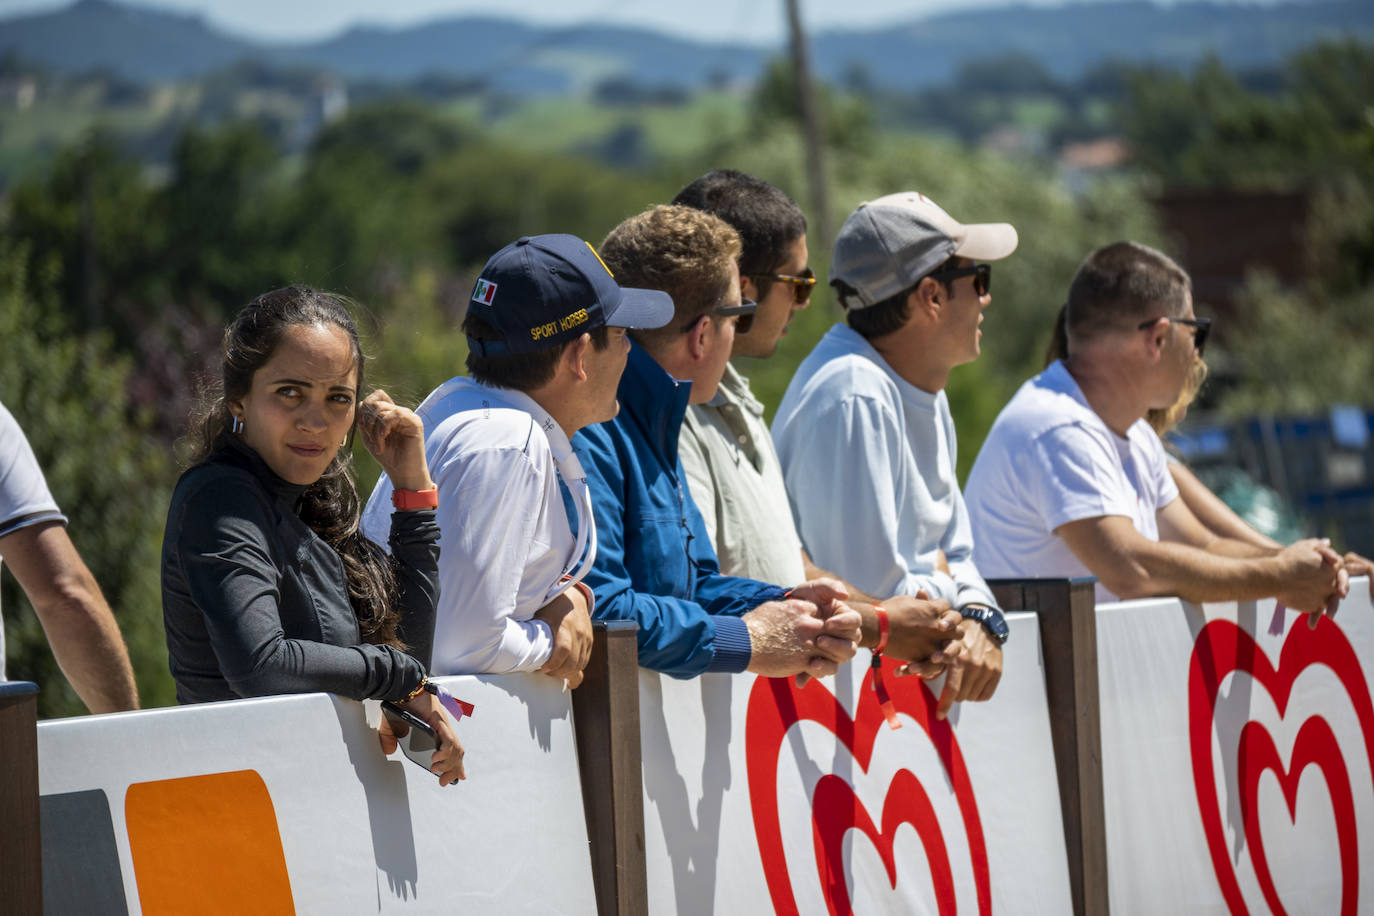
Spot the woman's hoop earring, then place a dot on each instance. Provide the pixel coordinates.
(237, 427)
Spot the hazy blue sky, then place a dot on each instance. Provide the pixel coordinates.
(747, 20)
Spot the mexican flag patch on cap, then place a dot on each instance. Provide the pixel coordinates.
(484, 292)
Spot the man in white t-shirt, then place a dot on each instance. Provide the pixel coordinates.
(547, 345)
(34, 545)
(864, 431)
(1071, 481)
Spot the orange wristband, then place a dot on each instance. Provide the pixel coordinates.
(879, 688)
(405, 500)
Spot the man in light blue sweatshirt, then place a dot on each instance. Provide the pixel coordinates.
(864, 432)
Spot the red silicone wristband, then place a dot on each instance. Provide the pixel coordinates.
(405, 500)
(883, 627)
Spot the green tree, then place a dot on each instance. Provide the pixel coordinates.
(488, 196)
(109, 476)
(1315, 350)
(359, 222)
(224, 210)
(1312, 345)
(403, 136)
(90, 223)
(1209, 130)
(1302, 348)
(847, 118)
(1336, 79)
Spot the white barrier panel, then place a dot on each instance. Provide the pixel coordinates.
(1238, 757)
(287, 804)
(760, 797)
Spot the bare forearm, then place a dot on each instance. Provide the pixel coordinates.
(79, 625)
(1230, 547)
(88, 647)
(1304, 575)
(1202, 575)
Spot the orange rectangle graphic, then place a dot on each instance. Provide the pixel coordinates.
(207, 844)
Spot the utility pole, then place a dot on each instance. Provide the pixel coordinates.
(812, 130)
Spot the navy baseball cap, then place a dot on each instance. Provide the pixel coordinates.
(544, 290)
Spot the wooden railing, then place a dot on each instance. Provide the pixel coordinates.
(21, 850)
(606, 718)
(1068, 643)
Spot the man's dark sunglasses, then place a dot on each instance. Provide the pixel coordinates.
(744, 311)
(1201, 327)
(981, 273)
(801, 285)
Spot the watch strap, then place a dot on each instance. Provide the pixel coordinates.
(991, 618)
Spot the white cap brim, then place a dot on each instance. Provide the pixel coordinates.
(986, 241)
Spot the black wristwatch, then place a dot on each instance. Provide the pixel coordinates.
(991, 619)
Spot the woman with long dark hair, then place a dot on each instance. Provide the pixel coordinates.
(268, 586)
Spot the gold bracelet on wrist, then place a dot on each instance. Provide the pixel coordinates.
(420, 688)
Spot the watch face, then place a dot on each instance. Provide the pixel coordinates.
(995, 623)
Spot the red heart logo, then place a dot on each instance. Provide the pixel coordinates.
(775, 705)
(1223, 647)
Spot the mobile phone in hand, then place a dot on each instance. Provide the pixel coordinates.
(420, 742)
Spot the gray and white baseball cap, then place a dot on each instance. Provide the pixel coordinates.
(887, 245)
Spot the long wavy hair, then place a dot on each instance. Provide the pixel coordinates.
(1163, 419)
(329, 505)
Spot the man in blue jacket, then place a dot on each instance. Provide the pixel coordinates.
(654, 562)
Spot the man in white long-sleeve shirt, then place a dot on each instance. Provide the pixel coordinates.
(547, 345)
(864, 431)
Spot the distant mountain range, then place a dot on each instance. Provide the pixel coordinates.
(148, 45)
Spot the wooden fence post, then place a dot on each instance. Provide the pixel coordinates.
(21, 848)
(1065, 609)
(606, 719)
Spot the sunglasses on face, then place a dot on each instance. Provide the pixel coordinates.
(1200, 326)
(744, 312)
(981, 273)
(801, 285)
